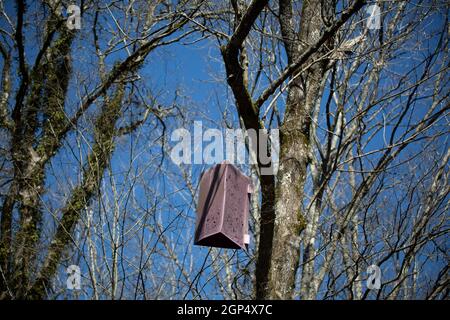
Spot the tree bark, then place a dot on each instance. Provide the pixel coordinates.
(303, 93)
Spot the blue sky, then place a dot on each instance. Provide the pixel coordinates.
(192, 77)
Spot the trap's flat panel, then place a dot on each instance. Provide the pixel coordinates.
(223, 206)
(210, 203)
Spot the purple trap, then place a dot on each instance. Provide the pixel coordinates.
(223, 207)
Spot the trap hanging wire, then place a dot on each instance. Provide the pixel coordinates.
(223, 208)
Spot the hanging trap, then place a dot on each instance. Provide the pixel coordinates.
(223, 208)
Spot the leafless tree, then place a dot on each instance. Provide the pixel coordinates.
(61, 84)
(87, 179)
(354, 107)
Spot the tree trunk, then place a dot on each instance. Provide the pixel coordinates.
(303, 93)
